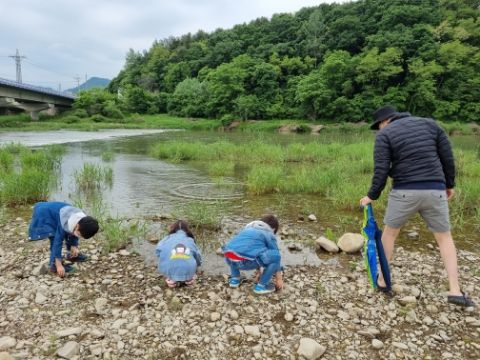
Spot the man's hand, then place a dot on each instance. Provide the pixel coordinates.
(60, 268)
(450, 193)
(73, 251)
(365, 201)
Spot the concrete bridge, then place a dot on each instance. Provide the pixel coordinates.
(32, 99)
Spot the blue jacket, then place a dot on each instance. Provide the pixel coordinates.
(251, 242)
(178, 256)
(50, 221)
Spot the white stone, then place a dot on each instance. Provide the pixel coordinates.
(68, 332)
(124, 252)
(252, 330)
(312, 217)
(310, 349)
(288, 317)
(408, 300)
(233, 314)
(238, 330)
(327, 244)
(350, 242)
(215, 316)
(100, 305)
(69, 350)
(40, 298)
(377, 344)
(7, 342)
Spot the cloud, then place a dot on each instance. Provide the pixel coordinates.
(64, 38)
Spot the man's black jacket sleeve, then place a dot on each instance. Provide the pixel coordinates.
(382, 160)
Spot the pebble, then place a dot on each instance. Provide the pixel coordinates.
(252, 330)
(7, 342)
(377, 344)
(310, 349)
(69, 350)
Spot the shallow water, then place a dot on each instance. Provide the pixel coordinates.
(144, 187)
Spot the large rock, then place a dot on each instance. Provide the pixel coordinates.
(7, 342)
(310, 349)
(326, 244)
(69, 350)
(350, 242)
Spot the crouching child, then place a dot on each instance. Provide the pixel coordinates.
(59, 222)
(255, 248)
(178, 256)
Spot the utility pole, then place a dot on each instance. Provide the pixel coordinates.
(18, 63)
(77, 78)
(59, 86)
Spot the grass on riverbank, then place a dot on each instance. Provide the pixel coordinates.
(27, 175)
(22, 122)
(338, 172)
(93, 177)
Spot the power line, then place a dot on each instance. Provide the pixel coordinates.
(18, 65)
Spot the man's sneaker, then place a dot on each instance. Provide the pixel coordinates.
(461, 300)
(263, 289)
(81, 257)
(234, 282)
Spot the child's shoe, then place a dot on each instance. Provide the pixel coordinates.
(263, 289)
(234, 282)
(81, 257)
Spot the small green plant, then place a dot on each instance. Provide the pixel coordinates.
(93, 177)
(319, 288)
(329, 234)
(201, 215)
(108, 156)
(221, 168)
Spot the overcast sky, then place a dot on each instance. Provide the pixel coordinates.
(63, 39)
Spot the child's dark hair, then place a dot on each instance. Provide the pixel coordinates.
(272, 221)
(87, 226)
(181, 225)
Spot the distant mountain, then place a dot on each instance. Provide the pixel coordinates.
(93, 82)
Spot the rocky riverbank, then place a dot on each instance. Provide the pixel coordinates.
(116, 307)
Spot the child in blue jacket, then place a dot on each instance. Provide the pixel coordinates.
(59, 222)
(255, 248)
(178, 255)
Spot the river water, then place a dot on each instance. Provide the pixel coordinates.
(144, 187)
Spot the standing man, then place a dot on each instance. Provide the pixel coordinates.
(416, 153)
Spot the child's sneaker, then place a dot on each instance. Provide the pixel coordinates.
(234, 282)
(81, 257)
(263, 289)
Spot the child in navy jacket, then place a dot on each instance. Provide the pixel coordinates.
(61, 222)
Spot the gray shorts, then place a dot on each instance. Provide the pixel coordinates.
(432, 205)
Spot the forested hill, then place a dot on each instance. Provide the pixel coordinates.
(331, 62)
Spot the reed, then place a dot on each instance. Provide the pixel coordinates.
(221, 168)
(93, 177)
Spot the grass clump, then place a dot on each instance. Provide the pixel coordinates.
(27, 175)
(221, 168)
(201, 215)
(93, 177)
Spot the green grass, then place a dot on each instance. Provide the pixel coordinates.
(93, 177)
(201, 215)
(108, 156)
(221, 168)
(27, 175)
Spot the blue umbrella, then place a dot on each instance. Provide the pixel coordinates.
(373, 248)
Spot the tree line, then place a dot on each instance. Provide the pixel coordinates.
(332, 62)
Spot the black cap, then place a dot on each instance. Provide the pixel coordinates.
(381, 114)
(88, 226)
